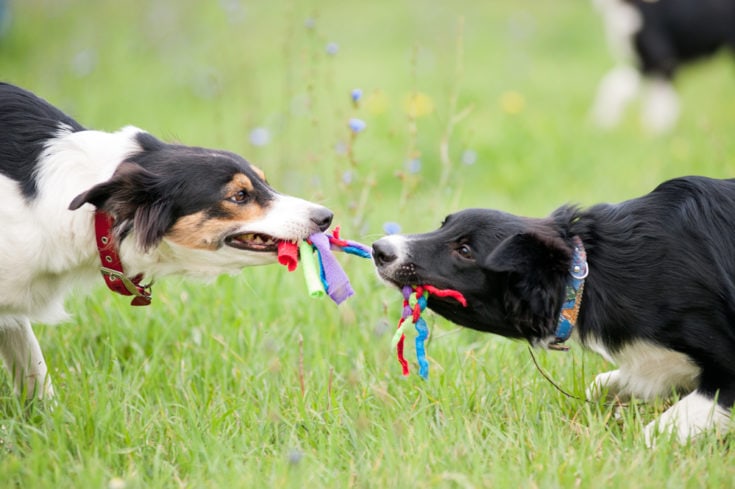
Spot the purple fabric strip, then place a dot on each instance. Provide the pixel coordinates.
(339, 288)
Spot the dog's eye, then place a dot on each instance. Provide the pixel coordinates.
(240, 197)
(464, 251)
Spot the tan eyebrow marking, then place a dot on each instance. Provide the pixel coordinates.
(259, 172)
(240, 181)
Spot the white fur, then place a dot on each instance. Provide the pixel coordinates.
(47, 250)
(647, 371)
(22, 355)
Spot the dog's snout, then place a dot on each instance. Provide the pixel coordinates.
(384, 252)
(322, 217)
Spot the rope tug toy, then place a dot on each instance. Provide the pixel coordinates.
(325, 273)
(420, 299)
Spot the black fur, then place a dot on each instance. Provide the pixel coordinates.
(27, 122)
(662, 269)
(676, 31)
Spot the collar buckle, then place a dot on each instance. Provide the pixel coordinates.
(141, 293)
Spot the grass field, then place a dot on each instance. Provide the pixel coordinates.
(246, 382)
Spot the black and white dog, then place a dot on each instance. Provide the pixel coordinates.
(648, 283)
(75, 199)
(650, 40)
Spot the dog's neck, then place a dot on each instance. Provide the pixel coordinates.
(573, 292)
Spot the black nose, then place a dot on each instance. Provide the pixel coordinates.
(322, 217)
(383, 252)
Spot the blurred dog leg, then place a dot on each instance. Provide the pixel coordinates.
(660, 105)
(615, 91)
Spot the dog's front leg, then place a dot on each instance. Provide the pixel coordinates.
(616, 90)
(23, 358)
(609, 385)
(660, 105)
(692, 415)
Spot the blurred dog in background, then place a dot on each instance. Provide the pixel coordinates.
(650, 40)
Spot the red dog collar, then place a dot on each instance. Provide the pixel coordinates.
(112, 269)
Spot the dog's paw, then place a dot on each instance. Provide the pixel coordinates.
(691, 416)
(605, 386)
(36, 386)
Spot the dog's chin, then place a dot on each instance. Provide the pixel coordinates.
(448, 309)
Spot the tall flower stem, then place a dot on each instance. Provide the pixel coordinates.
(454, 117)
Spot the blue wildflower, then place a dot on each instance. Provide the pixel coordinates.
(260, 136)
(347, 177)
(356, 95)
(469, 157)
(357, 125)
(391, 227)
(234, 10)
(332, 48)
(413, 165)
(84, 62)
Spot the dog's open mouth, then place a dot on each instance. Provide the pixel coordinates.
(253, 242)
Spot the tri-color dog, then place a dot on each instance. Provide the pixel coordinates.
(649, 284)
(77, 201)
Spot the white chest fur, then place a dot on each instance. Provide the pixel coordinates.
(645, 371)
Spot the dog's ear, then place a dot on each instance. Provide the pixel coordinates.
(135, 198)
(534, 266)
(530, 250)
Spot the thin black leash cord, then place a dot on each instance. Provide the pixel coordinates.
(551, 381)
